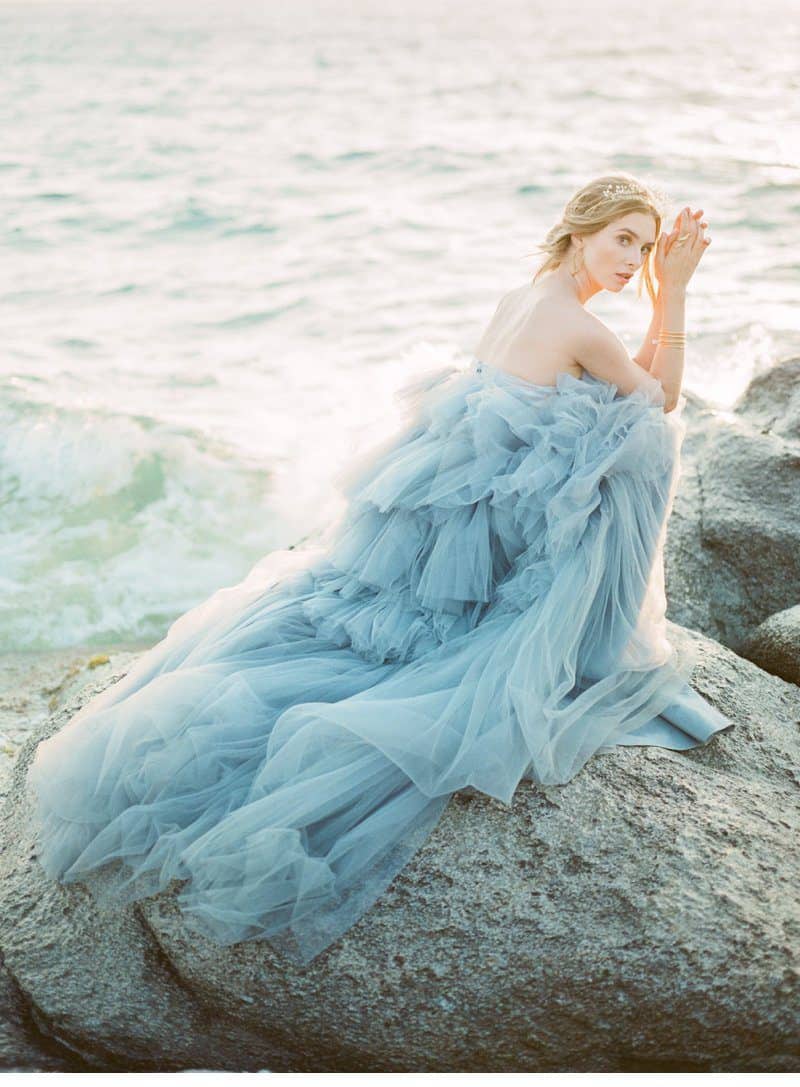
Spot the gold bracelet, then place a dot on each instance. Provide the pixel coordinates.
(671, 339)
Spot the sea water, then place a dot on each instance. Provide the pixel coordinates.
(230, 230)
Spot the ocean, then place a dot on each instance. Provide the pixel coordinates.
(229, 231)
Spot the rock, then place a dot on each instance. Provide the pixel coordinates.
(641, 918)
(34, 685)
(733, 541)
(771, 401)
(22, 1047)
(775, 644)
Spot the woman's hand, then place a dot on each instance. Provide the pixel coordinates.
(670, 270)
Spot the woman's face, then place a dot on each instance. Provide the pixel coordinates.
(619, 249)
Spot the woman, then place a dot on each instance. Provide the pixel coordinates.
(489, 608)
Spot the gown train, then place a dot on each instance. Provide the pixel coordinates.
(489, 608)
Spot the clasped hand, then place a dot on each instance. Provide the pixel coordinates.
(678, 253)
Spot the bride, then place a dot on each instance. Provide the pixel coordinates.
(538, 332)
(489, 609)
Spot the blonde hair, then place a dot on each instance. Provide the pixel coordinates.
(593, 207)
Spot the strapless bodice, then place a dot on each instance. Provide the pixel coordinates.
(480, 367)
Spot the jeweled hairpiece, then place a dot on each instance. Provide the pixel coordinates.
(619, 189)
(627, 189)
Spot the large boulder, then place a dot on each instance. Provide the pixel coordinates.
(774, 645)
(732, 554)
(642, 917)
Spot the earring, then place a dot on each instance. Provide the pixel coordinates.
(577, 263)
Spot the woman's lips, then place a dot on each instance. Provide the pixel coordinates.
(623, 277)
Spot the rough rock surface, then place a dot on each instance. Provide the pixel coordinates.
(23, 1048)
(642, 917)
(775, 644)
(732, 554)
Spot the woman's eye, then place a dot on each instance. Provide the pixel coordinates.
(645, 249)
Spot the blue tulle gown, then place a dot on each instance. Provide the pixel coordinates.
(489, 608)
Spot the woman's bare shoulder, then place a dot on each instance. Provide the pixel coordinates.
(558, 320)
(589, 330)
(567, 323)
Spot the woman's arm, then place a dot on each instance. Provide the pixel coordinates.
(667, 364)
(644, 356)
(603, 354)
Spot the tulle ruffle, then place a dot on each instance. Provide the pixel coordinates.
(489, 608)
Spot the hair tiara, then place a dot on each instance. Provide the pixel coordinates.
(620, 189)
(627, 189)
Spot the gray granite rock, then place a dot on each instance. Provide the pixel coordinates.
(732, 554)
(23, 1048)
(775, 644)
(643, 917)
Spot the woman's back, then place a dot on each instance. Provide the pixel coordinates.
(528, 336)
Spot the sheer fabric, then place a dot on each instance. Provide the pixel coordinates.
(489, 608)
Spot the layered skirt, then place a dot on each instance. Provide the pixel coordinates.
(489, 608)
